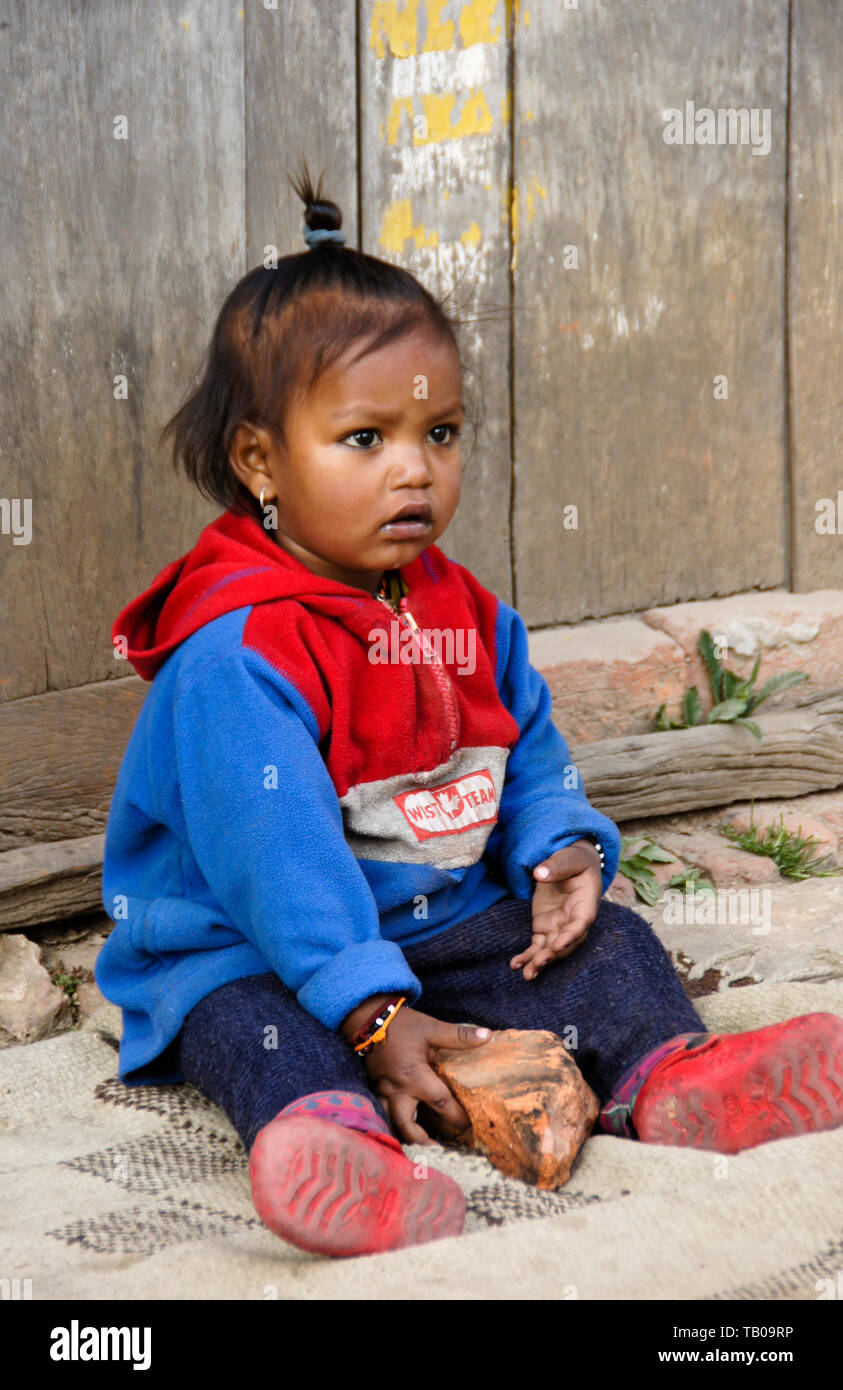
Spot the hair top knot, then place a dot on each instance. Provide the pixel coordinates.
(313, 235)
(322, 218)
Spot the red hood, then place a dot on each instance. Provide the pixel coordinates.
(234, 563)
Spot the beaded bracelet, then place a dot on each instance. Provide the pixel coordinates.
(597, 845)
(374, 1030)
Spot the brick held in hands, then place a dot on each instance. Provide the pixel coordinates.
(530, 1109)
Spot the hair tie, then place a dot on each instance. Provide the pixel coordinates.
(313, 235)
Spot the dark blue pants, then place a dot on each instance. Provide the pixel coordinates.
(618, 989)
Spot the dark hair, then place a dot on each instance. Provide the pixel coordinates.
(278, 331)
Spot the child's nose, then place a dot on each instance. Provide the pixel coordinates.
(409, 465)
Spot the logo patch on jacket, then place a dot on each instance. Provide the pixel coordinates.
(452, 808)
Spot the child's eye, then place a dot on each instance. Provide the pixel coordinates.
(455, 433)
(368, 435)
(355, 433)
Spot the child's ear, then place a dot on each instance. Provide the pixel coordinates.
(248, 455)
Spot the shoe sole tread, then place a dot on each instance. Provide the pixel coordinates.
(333, 1190)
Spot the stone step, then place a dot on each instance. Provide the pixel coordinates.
(609, 677)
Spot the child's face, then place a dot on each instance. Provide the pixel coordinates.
(373, 439)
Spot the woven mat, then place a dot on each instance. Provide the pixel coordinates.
(118, 1192)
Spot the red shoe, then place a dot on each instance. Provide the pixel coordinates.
(337, 1191)
(736, 1090)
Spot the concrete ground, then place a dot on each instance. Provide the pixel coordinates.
(760, 925)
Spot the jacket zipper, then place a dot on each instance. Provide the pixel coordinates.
(437, 669)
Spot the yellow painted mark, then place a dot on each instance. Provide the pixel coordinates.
(186, 24)
(472, 236)
(475, 22)
(400, 27)
(474, 119)
(513, 15)
(393, 121)
(526, 19)
(394, 26)
(397, 227)
(506, 106)
(440, 34)
(529, 115)
(513, 211)
(446, 193)
(437, 111)
(531, 196)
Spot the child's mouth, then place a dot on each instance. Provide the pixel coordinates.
(413, 520)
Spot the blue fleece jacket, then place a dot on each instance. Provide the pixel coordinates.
(286, 804)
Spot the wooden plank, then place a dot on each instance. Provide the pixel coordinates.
(60, 754)
(435, 169)
(815, 256)
(46, 883)
(801, 750)
(301, 100)
(117, 254)
(679, 278)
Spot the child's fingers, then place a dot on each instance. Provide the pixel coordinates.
(564, 944)
(537, 943)
(566, 950)
(559, 946)
(580, 924)
(534, 958)
(441, 1034)
(551, 947)
(402, 1108)
(557, 924)
(532, 968)
(435, 1094)
(552, 923)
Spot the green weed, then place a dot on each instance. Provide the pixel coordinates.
(636, 867)
(734, 698)
(789, 849)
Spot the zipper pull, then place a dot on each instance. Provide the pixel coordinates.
(408, 615)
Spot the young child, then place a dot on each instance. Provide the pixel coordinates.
(345, 830)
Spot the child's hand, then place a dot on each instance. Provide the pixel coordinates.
(565, 903)
(400, 1072)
